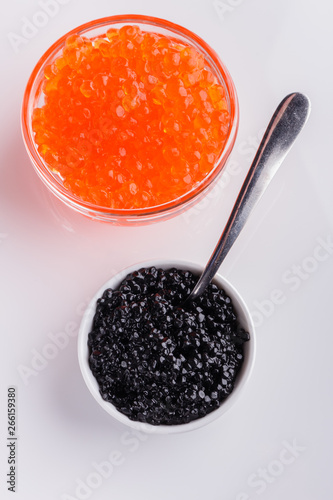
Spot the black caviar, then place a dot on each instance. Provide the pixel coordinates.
(160, 362)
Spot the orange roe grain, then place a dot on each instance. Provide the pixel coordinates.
(131, 119)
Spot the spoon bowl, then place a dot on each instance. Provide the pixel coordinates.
(284, 127)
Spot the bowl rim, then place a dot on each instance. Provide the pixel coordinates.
(243, 377)
(75, 202)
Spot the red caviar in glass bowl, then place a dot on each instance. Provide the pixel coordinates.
(129, 119)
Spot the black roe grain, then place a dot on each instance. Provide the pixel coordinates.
(157, 361)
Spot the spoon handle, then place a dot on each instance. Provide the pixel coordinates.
(284, 127)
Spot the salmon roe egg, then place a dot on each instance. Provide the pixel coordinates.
(131, 119)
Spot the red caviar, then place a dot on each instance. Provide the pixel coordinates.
(131, 119)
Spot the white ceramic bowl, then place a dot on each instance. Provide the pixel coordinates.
(242, 378)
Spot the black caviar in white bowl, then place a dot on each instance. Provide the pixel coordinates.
(157, 365)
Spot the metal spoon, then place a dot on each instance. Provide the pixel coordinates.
(283, 129)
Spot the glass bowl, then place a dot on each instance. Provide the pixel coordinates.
(34, 96)
(245, 321)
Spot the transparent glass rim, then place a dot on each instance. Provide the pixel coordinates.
(33, 90)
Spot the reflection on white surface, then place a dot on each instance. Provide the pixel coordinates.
(52, 259)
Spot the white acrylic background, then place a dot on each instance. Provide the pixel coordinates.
(52, 260)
